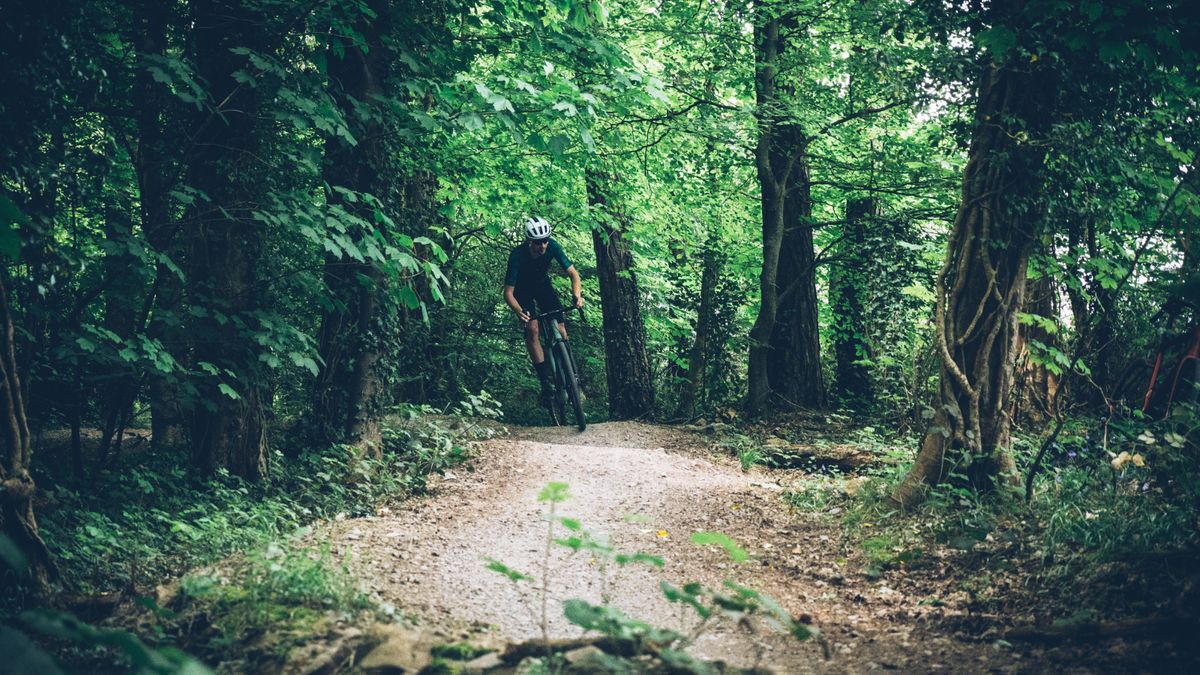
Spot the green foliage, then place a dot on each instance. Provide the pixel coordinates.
(285, 589)
(148, 521)
(1134, 488)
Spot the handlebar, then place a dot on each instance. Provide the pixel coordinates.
(562, 312)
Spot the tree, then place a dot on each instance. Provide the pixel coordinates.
(783, 178)
(981, 285)
(630, 392)
(228, 424)
(17, 521)
(358, 173)
(848, 288)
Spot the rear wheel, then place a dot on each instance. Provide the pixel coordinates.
(571, 383)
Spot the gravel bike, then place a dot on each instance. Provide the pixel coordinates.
(565, 375)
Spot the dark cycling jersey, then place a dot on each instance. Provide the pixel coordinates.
(525, 271)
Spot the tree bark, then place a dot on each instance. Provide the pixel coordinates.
(981, 284)
(1038, 384)
(848, 285)
(228, 430)
(351, 344)
(154, 170)
(630, 393)
(784, 341)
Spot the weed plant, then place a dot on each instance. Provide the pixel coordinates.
(733, 604)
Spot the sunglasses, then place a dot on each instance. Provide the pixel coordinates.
(538, 242)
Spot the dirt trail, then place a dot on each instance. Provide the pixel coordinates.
(428, 556)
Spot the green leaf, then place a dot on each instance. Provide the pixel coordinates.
(554, 493)
(998, 40)
(558, 144)
(639, 557)
(409, 297)
(736, 553)
(513, 575)
(471, 122)
(228, 391)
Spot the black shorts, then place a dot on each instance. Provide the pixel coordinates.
(537, 298)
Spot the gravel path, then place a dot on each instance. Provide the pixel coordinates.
(648, 488)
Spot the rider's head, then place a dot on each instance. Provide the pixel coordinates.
(537, 230)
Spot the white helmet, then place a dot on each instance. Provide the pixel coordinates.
(537, 228)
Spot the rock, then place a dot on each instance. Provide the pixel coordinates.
(400, 650)
(587, 661)
(482, 664)
(324, 656)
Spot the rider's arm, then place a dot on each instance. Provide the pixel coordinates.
(511, 300)
(576, 286)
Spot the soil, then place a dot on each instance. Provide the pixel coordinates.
(649, 488)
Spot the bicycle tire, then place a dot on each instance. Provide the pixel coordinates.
(558, 408)
(572, 384)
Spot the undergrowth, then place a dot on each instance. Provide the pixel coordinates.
(1110, 492)
(137, 527)
(133, 527)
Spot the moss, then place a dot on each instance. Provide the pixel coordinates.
(458, 651)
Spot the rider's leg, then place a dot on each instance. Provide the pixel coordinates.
(538, 357)
(532, 344)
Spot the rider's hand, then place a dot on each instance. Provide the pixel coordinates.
(579, 302)
(523, 316)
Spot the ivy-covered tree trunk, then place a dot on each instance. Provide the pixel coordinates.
(848, 289)
(981, 285)
(698, 357)
(352, 339)
(784, 342)
(228, 426)
(17, 521)
(630, 393)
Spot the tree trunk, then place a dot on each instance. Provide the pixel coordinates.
(848, 287)
(1102, 334)
(154, 172)
(981, 285)
(698, 359)
(348, 387)
(784, 341)
(1038, 384)
(228, 429)
(17, 488)
(630, 393)
(795, 375)
(120, 384)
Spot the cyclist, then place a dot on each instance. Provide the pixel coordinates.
(527, 290)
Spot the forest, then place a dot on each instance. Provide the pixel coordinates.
(891, 307)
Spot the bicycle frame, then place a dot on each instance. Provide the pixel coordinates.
(564, 375)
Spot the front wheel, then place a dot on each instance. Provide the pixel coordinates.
(570, 383)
